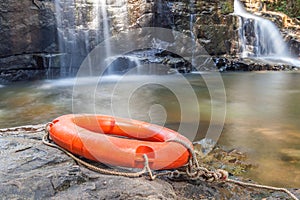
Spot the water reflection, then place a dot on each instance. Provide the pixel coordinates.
(263, 112)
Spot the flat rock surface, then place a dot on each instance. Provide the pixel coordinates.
(32, 170)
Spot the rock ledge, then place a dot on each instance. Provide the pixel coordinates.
(32, 170)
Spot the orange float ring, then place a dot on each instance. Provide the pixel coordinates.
(119, 141)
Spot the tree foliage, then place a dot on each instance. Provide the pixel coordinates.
(289, 7)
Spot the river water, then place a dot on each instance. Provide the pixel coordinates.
(262, 118)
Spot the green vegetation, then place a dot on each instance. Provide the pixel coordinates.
(289, 7)
(227, 7)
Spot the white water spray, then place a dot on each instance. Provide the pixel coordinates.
(261, 39)
(106, 30)
(259, 33)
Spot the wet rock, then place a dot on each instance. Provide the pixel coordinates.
(30, 67)
(233, 64)
(12, 75)
(162, 61)
(27, 27)
(215, 31)
(121, 65)
(145, 20)
(221, 62)
(34, 171)
(293, 41)
(31, 170)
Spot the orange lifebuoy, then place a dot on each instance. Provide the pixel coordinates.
(119, 141)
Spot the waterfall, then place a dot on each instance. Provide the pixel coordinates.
(192, 21)
(66, 23)
(259, 37)
(81, 25)
(106, 30)
(49, 65)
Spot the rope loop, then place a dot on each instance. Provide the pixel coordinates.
(47, 126)
(175, 174)
(47, 141)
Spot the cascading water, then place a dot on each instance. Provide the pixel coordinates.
(63, 29)
(260, 38)
(106, 31)
(192, 21)
(80, 26)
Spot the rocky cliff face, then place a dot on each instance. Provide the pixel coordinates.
(27, 28)
(208, 22)
(34, 40)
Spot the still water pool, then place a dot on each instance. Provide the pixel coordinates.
(262, 111)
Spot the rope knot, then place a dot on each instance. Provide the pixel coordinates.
(222, 174)
(193, 170)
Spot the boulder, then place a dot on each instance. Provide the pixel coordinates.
(27, 26)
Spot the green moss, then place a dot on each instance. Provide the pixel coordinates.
(233, 161)
(285, 7)
(226, 7)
